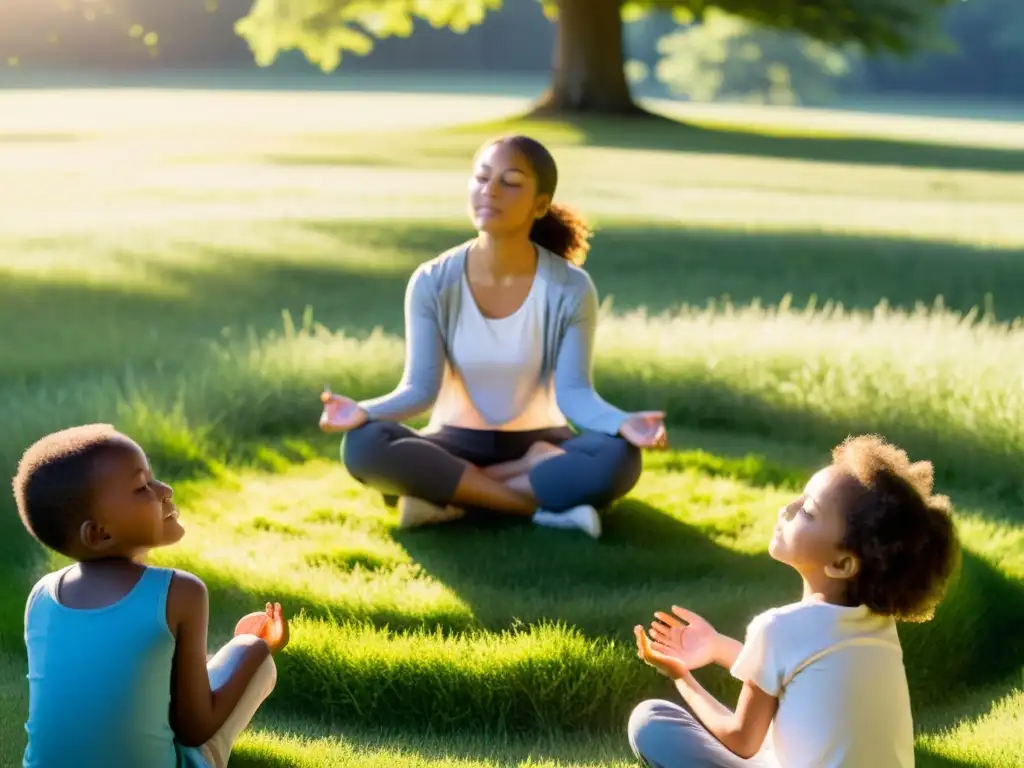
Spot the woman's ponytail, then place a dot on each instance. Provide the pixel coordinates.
(564, 232)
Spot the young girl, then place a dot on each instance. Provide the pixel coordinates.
(117, 663)
(872, 545)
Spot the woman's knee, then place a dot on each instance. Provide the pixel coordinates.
(627, 467)
(620, 465)
(362, 448)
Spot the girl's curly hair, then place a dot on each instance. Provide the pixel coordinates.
(902, 533)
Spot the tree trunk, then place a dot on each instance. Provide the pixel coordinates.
(589, 74)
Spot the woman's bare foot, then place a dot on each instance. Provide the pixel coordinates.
(540, 452)
(535, 454)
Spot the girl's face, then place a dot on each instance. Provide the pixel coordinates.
(503, 197)
(810, 529)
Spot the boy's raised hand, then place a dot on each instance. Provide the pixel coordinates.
(269, 625)
(693, 641)
(277, 634)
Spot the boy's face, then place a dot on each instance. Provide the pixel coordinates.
(810, 528)
(131, 511)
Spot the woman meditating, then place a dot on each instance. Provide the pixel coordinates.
(499, 336)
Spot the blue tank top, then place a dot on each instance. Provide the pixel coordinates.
(100, 679)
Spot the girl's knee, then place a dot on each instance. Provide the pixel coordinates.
(649, 728)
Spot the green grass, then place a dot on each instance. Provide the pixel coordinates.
(196, 277)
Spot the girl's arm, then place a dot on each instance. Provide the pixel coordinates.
(741, 732)
(197, 712)
(424, 356)
(574, 366)
(727, 650)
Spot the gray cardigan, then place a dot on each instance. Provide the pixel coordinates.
(432, 300)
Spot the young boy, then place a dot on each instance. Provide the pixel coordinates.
(117, 657)
(872, 545)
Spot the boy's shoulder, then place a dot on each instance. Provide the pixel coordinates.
(186, 585)
(44, 584)
(187, 599)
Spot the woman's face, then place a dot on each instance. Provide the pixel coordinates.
(503, 195)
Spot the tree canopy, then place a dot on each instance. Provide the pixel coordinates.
(324, 30)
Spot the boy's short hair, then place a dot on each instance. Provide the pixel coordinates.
(54, 484)
(903, 534)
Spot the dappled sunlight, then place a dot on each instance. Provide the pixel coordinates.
(991, 739)
(302, 744)
(214, 162)
(974, 131)
(195, 267)
(131, 112)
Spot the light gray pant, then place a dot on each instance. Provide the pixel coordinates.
(215, 752)
(664, 735)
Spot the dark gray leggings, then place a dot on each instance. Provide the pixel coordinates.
(595, 469)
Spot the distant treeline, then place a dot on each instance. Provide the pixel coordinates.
(199, 34)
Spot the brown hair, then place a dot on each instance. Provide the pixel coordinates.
(562, 230)
(903, 534)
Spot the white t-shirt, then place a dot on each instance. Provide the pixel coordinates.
(492, 380)
(838, 674)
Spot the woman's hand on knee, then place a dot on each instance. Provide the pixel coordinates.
(340, 413)
(645, 429)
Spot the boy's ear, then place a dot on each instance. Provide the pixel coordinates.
(846, 566)
(94, 536)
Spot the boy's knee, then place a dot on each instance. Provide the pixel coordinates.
(360, 448)
(266, 677)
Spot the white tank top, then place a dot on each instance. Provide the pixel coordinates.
(492, 379)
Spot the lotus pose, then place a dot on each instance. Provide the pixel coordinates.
(499, 335)
(117, 661)
(872, 545)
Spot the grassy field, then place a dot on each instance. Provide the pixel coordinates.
(195, 266)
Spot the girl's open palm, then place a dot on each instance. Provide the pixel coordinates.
(340, 414)
(686, 637)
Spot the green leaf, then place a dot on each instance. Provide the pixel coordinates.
(634, 12)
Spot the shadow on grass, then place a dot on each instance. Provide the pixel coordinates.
(664, 133)
(963, 460)
(661, 267)
(645, 556)
(180, 305)
(99, 327)
(417, 748)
